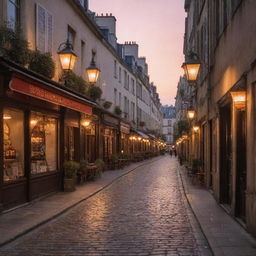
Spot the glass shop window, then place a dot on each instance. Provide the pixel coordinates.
(13, 129)
(44, 143)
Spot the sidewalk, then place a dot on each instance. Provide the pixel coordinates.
(225, 236)
(26, 218)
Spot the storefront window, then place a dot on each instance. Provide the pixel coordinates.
(13, 128)
(44, 143)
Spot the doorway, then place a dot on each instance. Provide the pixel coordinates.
(241, 164)
(225, 155)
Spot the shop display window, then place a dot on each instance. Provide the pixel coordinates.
(13, 129)
(44, 143)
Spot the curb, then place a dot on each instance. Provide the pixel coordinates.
(24, 232)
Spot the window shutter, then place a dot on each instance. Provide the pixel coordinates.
(40, 28)
(49, 32)
(44, 29)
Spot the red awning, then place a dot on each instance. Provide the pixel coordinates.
(57, 98)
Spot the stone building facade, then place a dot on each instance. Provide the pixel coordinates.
(222, 34)
(169, 119)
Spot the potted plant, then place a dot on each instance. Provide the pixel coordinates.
(196, 163)
(42, 63)
(82, 172)
(118, 110)
(100, 166)
(142, 123)
(70, 173)
(107, 104)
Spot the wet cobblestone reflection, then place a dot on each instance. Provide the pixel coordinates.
(141, 214)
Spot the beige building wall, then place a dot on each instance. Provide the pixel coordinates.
(65, 14)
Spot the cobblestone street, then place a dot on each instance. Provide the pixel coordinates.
(143, 213)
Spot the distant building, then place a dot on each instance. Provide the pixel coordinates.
(169, 118)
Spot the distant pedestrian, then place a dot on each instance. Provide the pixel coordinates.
(175, 152)
(171, 152)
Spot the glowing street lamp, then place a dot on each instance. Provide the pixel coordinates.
(86, 123)
(239, 99)
(195, 129)
(67, 56)
(191, 67)
(191, 114)
(92, 71)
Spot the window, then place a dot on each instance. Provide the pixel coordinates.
(115, 96)
(170, 122)
(235, 4)
(13, 13)
(133, 110)
(71, 35)
(82, 56)
(13, 129)
(133, 87)
(120, 99)
(44, 143)
(84, 4)
(139, 91)
(115, 69)
(120, 75)
(44, 29)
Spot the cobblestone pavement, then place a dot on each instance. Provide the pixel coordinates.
(143, 213)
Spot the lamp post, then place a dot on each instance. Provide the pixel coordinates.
(92, 71)
(67, 56)
(191, 67)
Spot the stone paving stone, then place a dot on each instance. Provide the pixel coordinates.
(143, 213)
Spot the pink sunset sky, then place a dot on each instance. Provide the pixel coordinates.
(158, 28)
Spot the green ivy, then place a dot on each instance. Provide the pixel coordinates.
(94, 92)
(118, 110)
(13, 46)
(75, 83)
(42, 63)
(107, 104)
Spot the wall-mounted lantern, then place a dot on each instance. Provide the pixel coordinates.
(191, 67)
(7, 117)
(92, 71)
(239, 99)
(191, 114)
(67, 56)
(86, 122)
(196, 128)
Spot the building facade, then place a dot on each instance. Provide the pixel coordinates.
(45, 121)
(169, 119)
(221, 33)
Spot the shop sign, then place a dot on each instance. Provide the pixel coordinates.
(125, 128)
(111, 119)
(23, 87)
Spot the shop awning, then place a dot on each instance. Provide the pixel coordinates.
(152, 136)
(29, 83)
(27, 88)
(142, 134)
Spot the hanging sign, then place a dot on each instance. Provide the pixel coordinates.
(35, 91)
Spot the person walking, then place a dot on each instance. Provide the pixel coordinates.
(171, 152)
